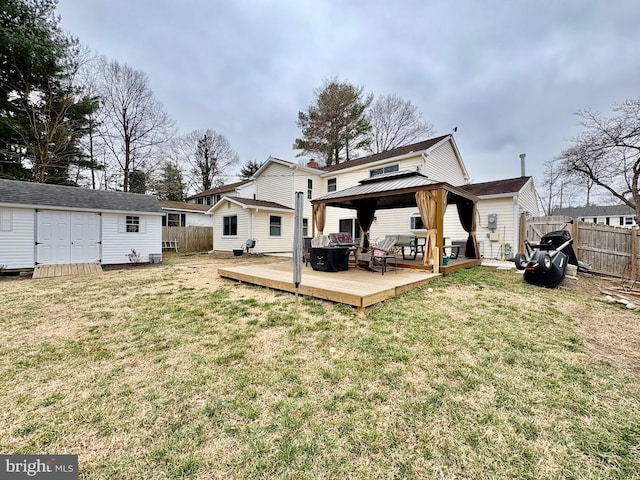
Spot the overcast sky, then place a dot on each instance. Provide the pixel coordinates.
(510, 74)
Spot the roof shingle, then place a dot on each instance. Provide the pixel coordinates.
(44, 194)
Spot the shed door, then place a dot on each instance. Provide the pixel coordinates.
(64, 237)
(85, 237)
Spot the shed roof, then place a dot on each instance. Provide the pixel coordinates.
(48, 195)
(392, 190)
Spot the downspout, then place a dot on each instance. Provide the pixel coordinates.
(516, 224)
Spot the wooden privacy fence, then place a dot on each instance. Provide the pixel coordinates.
(189, 239)
(609, 250)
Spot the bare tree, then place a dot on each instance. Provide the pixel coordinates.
(134, 122)
(395, 122)
(209, 158)
(607, 153)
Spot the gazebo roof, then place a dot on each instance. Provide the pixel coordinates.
(392, 190)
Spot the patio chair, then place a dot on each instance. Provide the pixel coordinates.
(381, 252)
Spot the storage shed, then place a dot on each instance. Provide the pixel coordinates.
(57, 225)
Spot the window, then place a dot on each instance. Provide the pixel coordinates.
(305, 227)
(275, 226)
(382, 170)
(176, 219)
(331, 185)
(309, 189)
(628, 220)
(5, 220)
(132, 224)
(416, 222)
(230, 226)
(208, 200)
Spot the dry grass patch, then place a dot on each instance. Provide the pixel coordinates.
(172, 372)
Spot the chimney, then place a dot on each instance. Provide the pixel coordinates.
(522, 155)
(312, 164)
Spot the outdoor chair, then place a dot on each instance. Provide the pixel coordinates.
(381, 252)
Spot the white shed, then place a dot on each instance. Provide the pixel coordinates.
(55, 224)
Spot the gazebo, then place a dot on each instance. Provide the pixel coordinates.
(405, 189)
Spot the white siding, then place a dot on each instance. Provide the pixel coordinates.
(248, 190)
(276, 184)
(528, 200)
(245, 227)
(252, 224)
(443, 165)
(17, 244)
(198, 220)
(503, 207)
(116, 244)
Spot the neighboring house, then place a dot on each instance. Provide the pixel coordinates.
(183, 214)
(54, 224)
(278, 180)
(244, 188)
(497, 223)
(615, 215)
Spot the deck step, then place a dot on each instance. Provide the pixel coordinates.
(67, 269)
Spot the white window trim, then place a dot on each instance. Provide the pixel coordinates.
(275, 216)
(229, 216)
(122, 224)
(415, 215)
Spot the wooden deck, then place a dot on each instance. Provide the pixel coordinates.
(357, 287)
(48, 271)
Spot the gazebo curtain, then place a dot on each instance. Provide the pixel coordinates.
(427, 203)
(467, 215)
(365, 214)
(319, 213)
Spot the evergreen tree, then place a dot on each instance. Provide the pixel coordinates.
(249, 169)
(336, 127)
(171, 186)
(42, 114)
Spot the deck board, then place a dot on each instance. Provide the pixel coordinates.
(357, 287)
(48, 271)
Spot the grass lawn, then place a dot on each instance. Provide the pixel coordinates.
(171, 372)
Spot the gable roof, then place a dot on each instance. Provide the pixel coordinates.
(396, 152)
(184, 206)
(285, 163)
(595, 211)
(221, 189)
(497, 187)
(249, 202)
(14, 192)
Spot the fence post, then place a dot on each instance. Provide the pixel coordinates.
(575, 234)
(634, 253)
(522, 232)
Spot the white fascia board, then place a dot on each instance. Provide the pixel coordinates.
(271, 160)
(450, 138)
(170, 209)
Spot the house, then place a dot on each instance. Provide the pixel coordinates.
(244, 188)
(184, 214)
(615, 215)
(499, 208)
(55, 224)
(277, 181)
